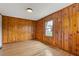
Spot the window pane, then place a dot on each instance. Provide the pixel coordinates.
(48, 28)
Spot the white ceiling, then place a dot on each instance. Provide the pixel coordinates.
(40, 10)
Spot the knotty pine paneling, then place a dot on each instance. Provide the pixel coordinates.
(73, 28)
(77, 15)
(16, 29)
(57, 29)
(39, 33)
(65, 29)
(4, 30)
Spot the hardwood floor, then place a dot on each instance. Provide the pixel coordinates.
(31, 48)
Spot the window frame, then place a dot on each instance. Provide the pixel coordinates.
(52, 28)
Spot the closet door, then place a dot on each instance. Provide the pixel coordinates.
(65, 29)
(24, 30)
(73, 28)
(19, 31)
(11, 30)
(27, 30)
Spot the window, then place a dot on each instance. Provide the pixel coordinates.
(48, 28)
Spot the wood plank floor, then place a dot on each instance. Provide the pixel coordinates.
(31, 48)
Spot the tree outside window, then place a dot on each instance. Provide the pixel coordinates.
(48, 28)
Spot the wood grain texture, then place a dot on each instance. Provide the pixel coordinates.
(16, 29)
(65, 31)
(31, 48)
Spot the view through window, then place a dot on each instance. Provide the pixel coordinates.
(48, 28)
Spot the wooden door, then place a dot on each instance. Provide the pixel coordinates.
(20, 30)
(28, 30)
(11, 30)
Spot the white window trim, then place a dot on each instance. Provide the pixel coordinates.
(46, 28)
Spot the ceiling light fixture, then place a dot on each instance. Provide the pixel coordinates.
(29, 10)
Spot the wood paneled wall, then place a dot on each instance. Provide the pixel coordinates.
(16, 29)
(66, 29)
